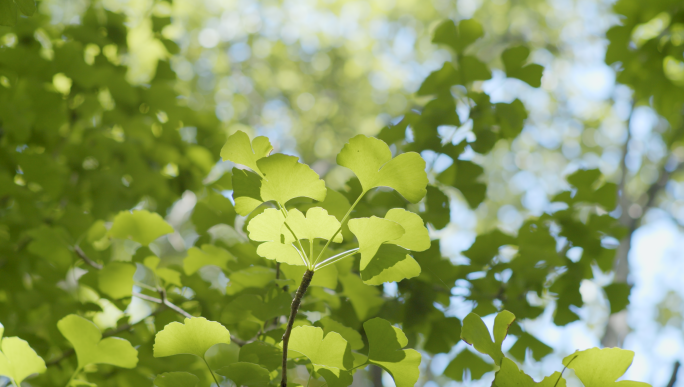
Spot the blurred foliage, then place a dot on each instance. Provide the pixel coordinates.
(112, 106)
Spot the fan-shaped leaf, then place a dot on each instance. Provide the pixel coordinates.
(385, 350)
(602, 367)
(91, 348)
(316, 224)
(195, 336)
(475, 333)
(116, 279)
(142, 226)
(207, 255)
(285, 178)
(371, 161)
(18, 360)
(373, 232)
(246, 374)
(239, 150)
(510, 376)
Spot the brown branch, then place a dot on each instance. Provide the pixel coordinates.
(673, 378)
(306, 280)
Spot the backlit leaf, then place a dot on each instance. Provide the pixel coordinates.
(371, 161)
(18, 360)
(510, 376)
(602, 367)
(373, 232)
(195, 336)
(239, 150)
(91, 348)
(207, 255)
(316, 224)
(285, 178)
(329, 350)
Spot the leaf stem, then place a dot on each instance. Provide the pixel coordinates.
(306, 280)
(212, 373)
(335, 258)
(14, 383)
(307, 261)
(564, 368)
(344, 219)
(76, 371)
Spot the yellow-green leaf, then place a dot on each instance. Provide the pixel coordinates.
(239, 150)
(142, 226)
(195, 336)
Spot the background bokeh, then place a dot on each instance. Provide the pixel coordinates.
(309, 74)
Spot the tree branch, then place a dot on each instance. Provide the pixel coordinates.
(673, 378)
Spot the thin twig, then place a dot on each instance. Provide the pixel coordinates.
(85, 258)
(673, 378)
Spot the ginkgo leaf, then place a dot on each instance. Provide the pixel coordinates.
(246, 191)
(206, 255)
(371, 161)
(316, 224)
(351, 335)
(415, 235)
(142, 226)
(467, 360)
(176, 379)
(116, 279)
(195, 336)
(286, 178)
(91, 348)
(222, 354)
(169, 276)
(373, 232)
(391, 263)
(239, 150)
(18, 360)
(475, 333)
(268, 227)
(510, 376)
(329, 351)
(365, 300)
(385, 350)
(262, 353)
(602, 367)
(246, 374)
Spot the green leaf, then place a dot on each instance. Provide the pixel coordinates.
(239, 150)
(8, 13)
(246, 191)
(330, 351)
(285, 178)
(246, 374)
(445, 332)
(373, 232)
(142, 226)
(365, 300)
(459, 39)
(195, 336)
(385, 350)
(602, 367)
(510, 376)
(439, 81)
(464, 175)
(438, 211)
(473, 69)
(371, 161)
(206, 255)
(486, 246)
(91, 348)
(116, 279)
(316, 224)
(18, 360)
(391, 263)
(269, 227)
(618, 296)
(467, 360)
(350, 335)
(415, 235)
(514, 59)
(27, 7)
(222, 354)
(168, 275)
(263, 354)
(176, 379)
(526, 341)
(475, 333)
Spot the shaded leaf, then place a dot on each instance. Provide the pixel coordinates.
(510, 376)
(467, 360)
(475, 333)
(116, 279)
(385, 350)
(176, 379)
(246, 374)
(142, 226)
(206, 255)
